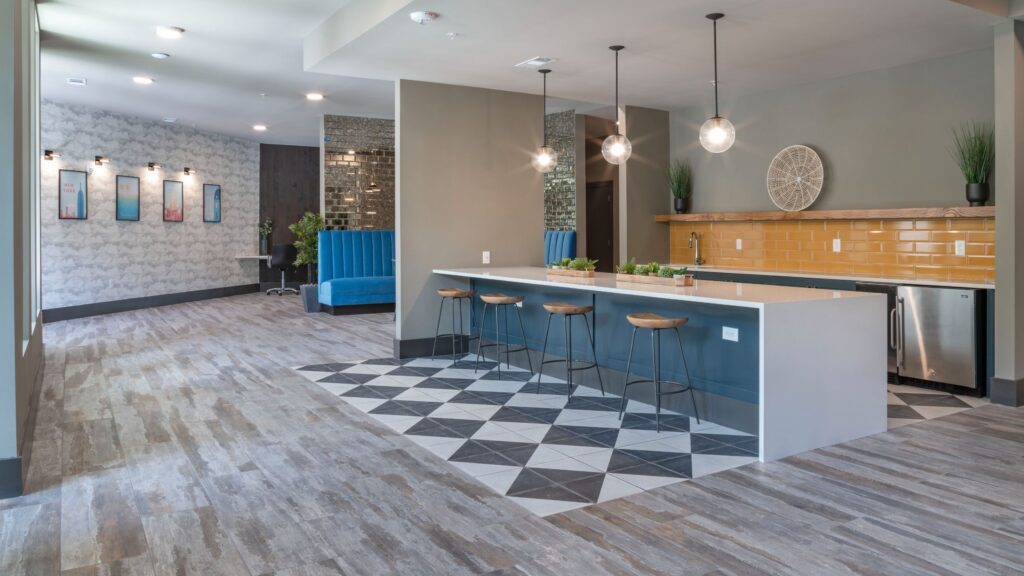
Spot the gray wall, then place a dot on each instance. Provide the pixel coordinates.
(599, 170)
(644, 191)
(464, 185)
(884, 136)
(20, 324)
(101, 259)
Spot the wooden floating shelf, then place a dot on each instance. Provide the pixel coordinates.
(875, 214)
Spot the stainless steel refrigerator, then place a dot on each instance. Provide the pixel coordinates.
(935, 334)
(938, 336)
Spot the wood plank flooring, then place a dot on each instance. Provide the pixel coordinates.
(177, 440)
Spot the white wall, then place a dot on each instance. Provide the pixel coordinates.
(101, 259)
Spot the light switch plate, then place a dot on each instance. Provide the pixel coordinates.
(837, 245)
(486, 257)
(730, 333)
(961, 247)
(739, 243)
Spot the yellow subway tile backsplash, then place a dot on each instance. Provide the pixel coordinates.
(923, 249)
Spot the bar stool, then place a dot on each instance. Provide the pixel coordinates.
(567, 312)
(458, 296)
(501, 303)
(656, 324)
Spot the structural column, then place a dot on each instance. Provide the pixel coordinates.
(1007, 385)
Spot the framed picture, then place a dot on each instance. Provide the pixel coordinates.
(174, 201)
(211, 202)
(127, 202)
(73, 195)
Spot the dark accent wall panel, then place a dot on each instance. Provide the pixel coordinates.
(289, 187)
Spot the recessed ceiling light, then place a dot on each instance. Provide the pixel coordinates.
(314, 96)
(144, 80)
(160, 55)
(259, 128)
(169, 32)
(170, 119)
(537, 62)
(77, 81)
(422, 17)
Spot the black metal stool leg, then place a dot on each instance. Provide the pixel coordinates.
(497, 337)
(567, 327)
(480, 340)
(522, 331)
(657, 379)
(689, 382)
(629, 363)
(454, 303)
(593, 348)
(543, 351)
(437, 330)
(455, 357)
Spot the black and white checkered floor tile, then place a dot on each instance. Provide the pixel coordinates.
(546, 452)
(909, 404)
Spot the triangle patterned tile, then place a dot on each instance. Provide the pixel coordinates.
(704, 464)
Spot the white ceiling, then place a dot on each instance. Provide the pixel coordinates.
(234, 50)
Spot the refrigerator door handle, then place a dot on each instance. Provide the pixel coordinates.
(892, 328)
(900, 352)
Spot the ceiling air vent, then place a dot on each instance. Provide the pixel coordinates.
(76, 81)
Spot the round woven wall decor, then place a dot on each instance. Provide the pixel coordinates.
(794, 178)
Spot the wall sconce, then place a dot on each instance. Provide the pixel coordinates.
(152, 166)
(50, 155)
(189, 172)
(102, 160)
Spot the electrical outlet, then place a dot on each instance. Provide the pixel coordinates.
(961, 247)
(837, 245)
(739, 243)
(731, 334)
(486, 257)
(519, 304)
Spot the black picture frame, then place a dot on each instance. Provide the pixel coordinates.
(117, 198)
(218, 191)
(64, 214)
(180, 209)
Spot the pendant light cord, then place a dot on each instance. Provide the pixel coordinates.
(617, 130)
(714, 25)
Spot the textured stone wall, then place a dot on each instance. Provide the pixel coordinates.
(560, 183)
(359, 173)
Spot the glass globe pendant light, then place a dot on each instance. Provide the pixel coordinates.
(545, 158)
(717, 134)
(616, 148)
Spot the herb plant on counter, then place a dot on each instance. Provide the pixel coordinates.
(627, 267)
(653, 267)
(583, 264)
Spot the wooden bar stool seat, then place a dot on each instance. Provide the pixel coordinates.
(567, 309)
(500, 299)
(454, 293)
(654, 321)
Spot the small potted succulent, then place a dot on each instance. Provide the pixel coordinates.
(653, 268)
(583, 265)
(306, 231)
(265, 228)
(974, 152)
(680, 183)
(627, 267)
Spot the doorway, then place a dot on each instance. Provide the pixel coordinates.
(600, 218)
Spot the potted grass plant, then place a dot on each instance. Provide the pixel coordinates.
(680, 184)
(306, 231)
(974, 152)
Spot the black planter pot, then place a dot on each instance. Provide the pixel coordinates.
(977, 194)
(680, 205)
(310, 299)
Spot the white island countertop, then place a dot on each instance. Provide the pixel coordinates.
(703, 291)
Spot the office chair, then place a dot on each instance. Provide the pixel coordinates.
(282, 256)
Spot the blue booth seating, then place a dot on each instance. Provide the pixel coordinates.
(356, 267)
(559, 244)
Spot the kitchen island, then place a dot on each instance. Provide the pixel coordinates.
(807, 366)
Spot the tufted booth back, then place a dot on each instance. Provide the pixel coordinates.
(356, 254)
(559, 244)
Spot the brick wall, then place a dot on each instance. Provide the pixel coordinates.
(359, 173)
(560, 183)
